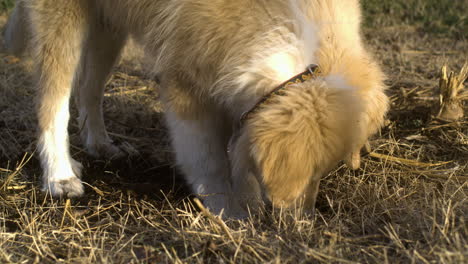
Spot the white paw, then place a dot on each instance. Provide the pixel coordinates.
(353, 160)
(71, 187)
(65, 181)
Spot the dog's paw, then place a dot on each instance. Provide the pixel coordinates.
(229, 208)
(65, 182)
(77, 167)
(236, 212)
(128, 149)
(353, 161)
(107, 151)
(110, 151)
(71, 187)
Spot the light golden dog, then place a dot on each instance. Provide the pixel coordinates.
(216, 59)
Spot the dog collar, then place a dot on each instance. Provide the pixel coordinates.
(312, 71)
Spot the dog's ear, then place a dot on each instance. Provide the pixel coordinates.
(302, 134)
(286, 163)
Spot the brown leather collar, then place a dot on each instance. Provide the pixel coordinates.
(311, 72)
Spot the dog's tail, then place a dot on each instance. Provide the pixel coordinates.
(297, 137)
(17, 33)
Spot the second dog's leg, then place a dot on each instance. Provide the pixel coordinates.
(59, 28)
(16, 34)
(102, 50)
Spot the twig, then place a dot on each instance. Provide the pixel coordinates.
(406, 161)
(130, 90)
(215, 219)
(451, 124)
(439, 176)
(95, 189)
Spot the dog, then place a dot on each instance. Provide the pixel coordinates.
(262, 98)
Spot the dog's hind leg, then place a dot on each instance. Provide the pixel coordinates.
(59, 28)
(102, 50)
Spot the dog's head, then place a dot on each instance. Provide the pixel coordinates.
(298, 136)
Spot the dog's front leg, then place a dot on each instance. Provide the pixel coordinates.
(200, 145)
(59, 29)
(245, 181)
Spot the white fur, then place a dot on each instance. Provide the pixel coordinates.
(338, 81)
(200, 150)
(61, 172)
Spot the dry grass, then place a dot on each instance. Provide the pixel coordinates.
(407, 203)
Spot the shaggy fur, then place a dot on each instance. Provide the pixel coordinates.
(216, 59)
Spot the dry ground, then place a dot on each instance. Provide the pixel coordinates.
(407, 203)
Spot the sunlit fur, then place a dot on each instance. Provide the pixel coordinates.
(215, 59)
(298, 137)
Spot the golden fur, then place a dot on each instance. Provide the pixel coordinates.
(301, 135)
(216, 59)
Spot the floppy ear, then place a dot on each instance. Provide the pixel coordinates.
(300, 135)
(286, 164)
